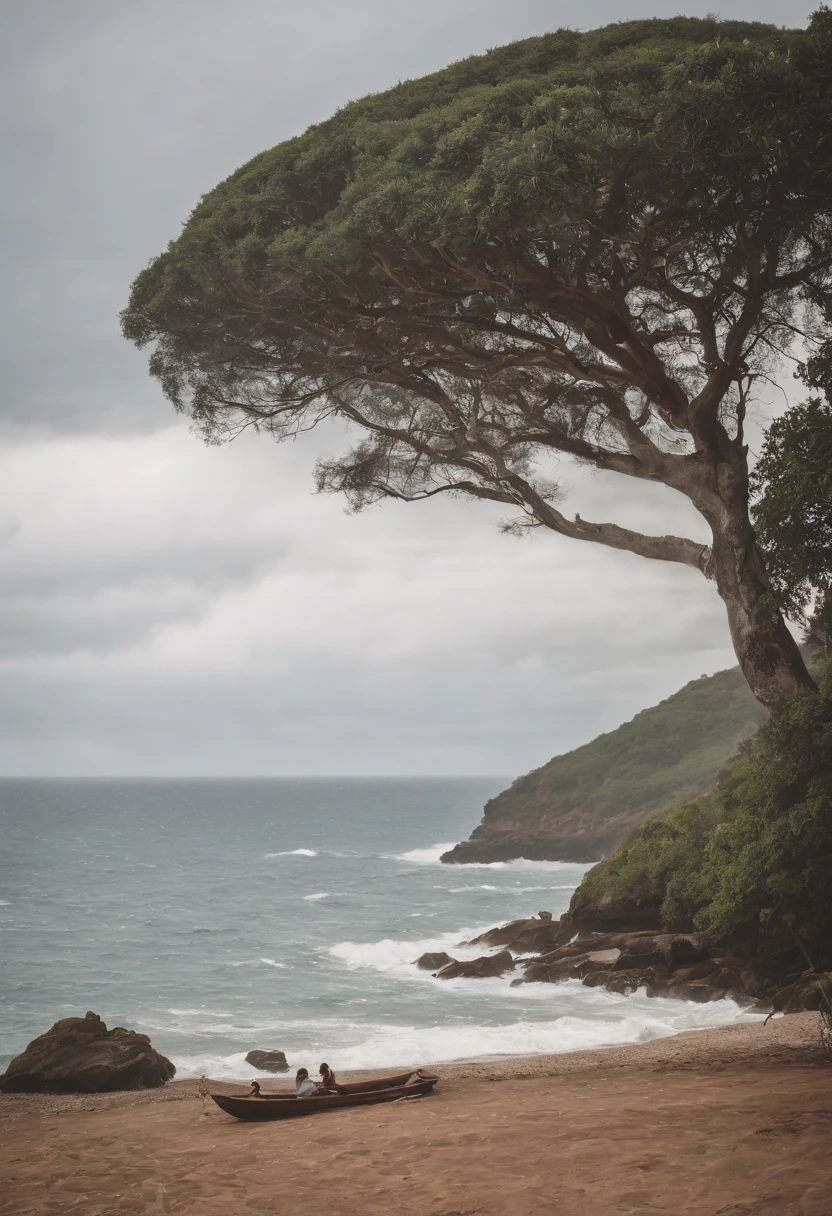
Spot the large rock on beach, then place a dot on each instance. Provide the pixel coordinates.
(478, 968)
(80, 1055)
(268, 1061)
(432, 962)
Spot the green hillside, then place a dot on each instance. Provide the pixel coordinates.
(581, 805)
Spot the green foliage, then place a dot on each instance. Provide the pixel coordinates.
(660, 865)
(772, 857)
(665, 754)
(753, 858)
(325, 273)
(793, 513)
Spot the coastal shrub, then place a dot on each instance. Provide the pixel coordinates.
(755, 857)
(768, 864)
(660, 865)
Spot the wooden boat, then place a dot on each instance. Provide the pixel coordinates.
(258, 1106)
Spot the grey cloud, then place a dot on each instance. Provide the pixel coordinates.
(175, 609)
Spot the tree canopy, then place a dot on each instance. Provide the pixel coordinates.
(594, 244)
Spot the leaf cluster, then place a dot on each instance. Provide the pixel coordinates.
(793, 512)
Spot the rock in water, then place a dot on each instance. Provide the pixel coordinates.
(479, 968)
(80, 1055)
(526, 936)
(268, 1061)
(432, 962)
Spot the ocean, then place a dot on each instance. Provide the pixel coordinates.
(221, 916)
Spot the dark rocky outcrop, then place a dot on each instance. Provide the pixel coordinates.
(612, 914)
(795, 998)
(580, 806)
(689, 966)
(478, 968)
(535, 933)
(80, 1055)
(432, 962)
(268, 1061)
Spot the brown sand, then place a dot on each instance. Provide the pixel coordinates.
(729, 1122)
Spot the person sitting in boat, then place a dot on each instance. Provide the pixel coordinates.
(304, 1087)
(327, 1081)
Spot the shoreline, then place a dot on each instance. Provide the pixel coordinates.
(794, 1037)
(733, 1121)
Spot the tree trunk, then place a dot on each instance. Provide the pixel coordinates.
(768, 654)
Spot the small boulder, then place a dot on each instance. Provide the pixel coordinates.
(268, 1061)
(80, 1055)
(798, 997)
(699, 991)
(700, 971)
(532, 935)
(432, 962)
(607, 957)
(682, 949)
(653, 979)
(628, 961)
(478, 968)
(555, 972)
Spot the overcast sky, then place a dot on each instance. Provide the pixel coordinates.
(173, 609)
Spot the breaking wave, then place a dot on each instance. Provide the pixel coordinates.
(392, 955)
(430, 857)
(483, 886)
(405, 1046)
(292, 853)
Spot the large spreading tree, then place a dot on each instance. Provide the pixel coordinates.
(593, 244)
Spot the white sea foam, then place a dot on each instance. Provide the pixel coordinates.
(291, 853)
(257, 962)
(570, 886)
(430, 857)
(484, 886)
(397, 1046)
(391, 955)
(424, 857)
(319, 895)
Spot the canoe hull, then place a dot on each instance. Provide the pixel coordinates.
(287, 1106)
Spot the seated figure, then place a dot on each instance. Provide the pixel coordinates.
(327, 1081)
(304, 1087)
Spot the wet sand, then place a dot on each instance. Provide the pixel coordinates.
(728, 1122)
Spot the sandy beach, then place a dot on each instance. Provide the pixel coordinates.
(728, 1122)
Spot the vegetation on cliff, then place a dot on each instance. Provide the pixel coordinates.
(582, 804)
(585, 244)
(752, 860)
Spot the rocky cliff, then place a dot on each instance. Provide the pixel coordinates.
(581, 805)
